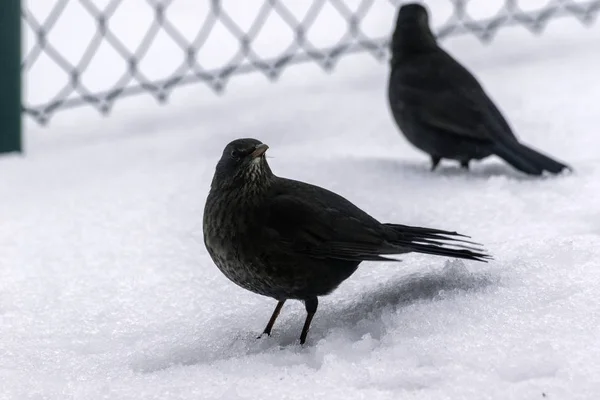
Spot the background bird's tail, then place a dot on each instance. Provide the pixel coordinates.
(527, 159)
(436, 242)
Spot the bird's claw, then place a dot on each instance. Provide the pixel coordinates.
(263, 334)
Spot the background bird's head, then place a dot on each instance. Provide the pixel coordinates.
(412, 32)
(414, 14)
(242, 163)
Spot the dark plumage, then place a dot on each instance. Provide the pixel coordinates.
(442, 109)
(291, 240)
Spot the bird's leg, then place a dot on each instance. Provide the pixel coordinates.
(464, 164)
(435, 160)
(271, 322)
(311, 308)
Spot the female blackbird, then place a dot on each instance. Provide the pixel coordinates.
(291, 240)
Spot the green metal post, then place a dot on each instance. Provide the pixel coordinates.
(10, 76)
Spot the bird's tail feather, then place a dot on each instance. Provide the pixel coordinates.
(436, 242)
(544, 161)
(527, 159)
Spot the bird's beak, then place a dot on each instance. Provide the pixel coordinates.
(259, 150)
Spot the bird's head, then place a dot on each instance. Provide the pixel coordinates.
(242, 163)
(412, 32)
(413, 15)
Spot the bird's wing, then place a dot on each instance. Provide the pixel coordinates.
(321, 224)
(444, 95)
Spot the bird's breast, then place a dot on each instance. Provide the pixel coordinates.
(230, 229)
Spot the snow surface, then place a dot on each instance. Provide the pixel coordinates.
(107, 291)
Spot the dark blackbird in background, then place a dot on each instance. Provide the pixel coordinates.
(291, 240)
(442, 109)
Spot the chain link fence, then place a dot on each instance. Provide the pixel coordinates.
(93, 52)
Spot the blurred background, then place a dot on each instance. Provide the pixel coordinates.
(92, 53)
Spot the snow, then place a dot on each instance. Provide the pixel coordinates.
(107, 291)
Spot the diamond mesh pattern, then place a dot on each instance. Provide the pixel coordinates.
(128, 51)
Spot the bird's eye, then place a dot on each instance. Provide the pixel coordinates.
(235, 154)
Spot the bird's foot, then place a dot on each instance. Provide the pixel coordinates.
(435, 162)
(263, 335)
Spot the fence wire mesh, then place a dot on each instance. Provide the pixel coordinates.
(93, 52)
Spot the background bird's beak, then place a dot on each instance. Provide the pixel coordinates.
(259, 150)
